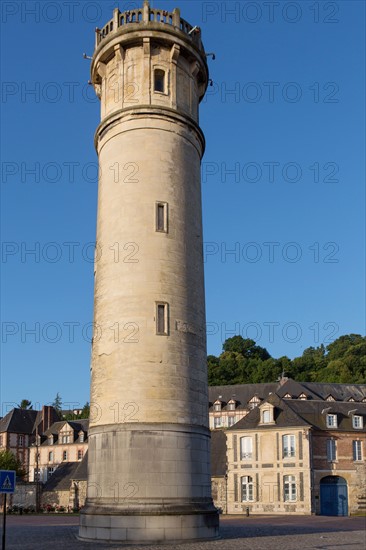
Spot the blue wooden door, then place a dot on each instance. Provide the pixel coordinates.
(333, 496)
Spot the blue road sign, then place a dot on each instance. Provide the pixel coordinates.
(7, 481)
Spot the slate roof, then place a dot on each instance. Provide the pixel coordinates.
(291, 412)
(81, 472)
(295, 389)
(315, 413)
(19, 421)
(218, 453)
(61, 478)
(242, 393)
(283, 415)
(341, 392)
(76, 425)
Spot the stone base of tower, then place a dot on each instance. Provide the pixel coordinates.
(149, 529)
(148, 483)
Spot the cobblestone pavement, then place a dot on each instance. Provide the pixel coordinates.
(255, 533)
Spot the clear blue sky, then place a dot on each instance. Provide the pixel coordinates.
(283, 181)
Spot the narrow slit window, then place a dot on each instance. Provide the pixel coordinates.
(162, 319)
(159, 81)
(162, 217)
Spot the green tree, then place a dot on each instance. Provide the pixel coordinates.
(343, 345)
(57, 403)
(246, 347)
(25, 404)
(85, 413)
(243, 362)
(8, 461)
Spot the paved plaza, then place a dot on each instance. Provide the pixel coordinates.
(52, 532)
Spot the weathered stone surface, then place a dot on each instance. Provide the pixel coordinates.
(149, 475)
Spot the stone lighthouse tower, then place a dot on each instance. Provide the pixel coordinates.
(149, 462)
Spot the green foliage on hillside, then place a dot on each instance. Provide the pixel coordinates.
(243, 362)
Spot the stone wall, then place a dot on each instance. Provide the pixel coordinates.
(218, 487)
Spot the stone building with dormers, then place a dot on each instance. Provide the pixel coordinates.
(64, 442)
(298, 456)
(18, 429)
(229, 404)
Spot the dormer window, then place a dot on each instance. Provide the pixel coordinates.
(81, 437)
(217, 406)
(231, 405)
(357, 422)
(331, 421)
(330, 398)
(351, 399)
(303, 396)
(287, 396)
(267, 413)
(50, 440)
(253, 402)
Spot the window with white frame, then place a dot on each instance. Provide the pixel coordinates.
(247, 489)
(288, 445)
(217, 421)
(289, 488)
(357, 450)
(266, 417)
(81, 437)
(331, 450)
(231, 421)
(50, 456)
(331, 420)
(217, 406)
(50, 471)
(246, 448)
(357, 421)
(231, 406)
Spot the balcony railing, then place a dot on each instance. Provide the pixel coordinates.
(145, 15)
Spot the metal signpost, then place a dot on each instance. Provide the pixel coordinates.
(7, 485)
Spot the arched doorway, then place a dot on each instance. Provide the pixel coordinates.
(333, 496)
